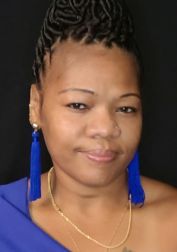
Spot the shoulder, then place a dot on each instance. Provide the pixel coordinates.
(158, 192)
(13, 189)
(15, 194)
(161, 204)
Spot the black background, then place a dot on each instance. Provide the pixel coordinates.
(156, 29)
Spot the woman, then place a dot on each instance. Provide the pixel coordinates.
(87, 102)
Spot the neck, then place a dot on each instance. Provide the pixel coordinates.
(85, 199)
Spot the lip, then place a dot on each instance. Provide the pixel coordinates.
(100, 156)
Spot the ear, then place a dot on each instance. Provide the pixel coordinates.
(35, 105)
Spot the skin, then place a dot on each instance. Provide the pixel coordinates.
(89, 110)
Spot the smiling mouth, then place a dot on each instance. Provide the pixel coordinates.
(100, 156)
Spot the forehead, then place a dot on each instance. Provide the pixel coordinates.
(74, 60)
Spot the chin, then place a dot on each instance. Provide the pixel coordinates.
(97, 179)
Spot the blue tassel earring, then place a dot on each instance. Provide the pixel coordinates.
(35, 166)
(135, 188)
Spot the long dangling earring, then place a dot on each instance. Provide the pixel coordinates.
(136, 191)
(35, 165)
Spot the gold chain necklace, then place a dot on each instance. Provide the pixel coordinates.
(114, 233)
(88, 237)
(73, 241)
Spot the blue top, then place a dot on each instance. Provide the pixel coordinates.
(17, 231)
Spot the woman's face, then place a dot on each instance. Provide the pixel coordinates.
(89, 110)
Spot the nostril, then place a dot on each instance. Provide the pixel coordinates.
(103, 127)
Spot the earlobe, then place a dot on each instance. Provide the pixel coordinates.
(35, 105)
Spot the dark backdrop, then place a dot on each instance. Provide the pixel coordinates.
(156, 28)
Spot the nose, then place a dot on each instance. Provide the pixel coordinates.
(103, 125)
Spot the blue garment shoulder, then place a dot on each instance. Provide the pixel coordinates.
(16, 224)
(16, 194)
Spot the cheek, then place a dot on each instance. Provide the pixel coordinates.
(58, 129)
(131, 131)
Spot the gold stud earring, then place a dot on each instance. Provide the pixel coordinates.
(35, 126)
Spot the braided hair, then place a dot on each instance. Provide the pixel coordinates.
(106, 21)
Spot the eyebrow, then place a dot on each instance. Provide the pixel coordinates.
(93, 93)
(130, 94)
(77, 90)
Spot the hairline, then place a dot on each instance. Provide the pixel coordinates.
(50, 52)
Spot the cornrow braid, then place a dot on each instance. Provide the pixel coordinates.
(107, 21)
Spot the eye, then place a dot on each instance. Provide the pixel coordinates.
(77, 106)
(127, 109)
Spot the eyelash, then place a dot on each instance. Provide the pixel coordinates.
(81, 107)
(127, 109)
(77, 106)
